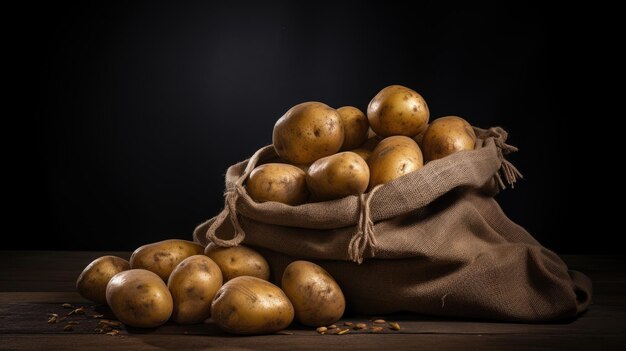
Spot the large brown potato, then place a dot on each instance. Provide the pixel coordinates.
(193, 285)
(163, 256)
(238, 261)
(397, 110)
(392, 158)
(92, 282)
(307, 132)
(249, 305)
(278, 182)
(338, 175)
(139, 298)
(355, 126)
(316, 297)
(447, 135)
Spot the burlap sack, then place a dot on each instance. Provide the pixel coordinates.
(433, 242)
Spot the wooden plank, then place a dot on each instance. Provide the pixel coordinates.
(314, 342)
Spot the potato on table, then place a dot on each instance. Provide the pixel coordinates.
(238, 261)
(139, 298)
(92, 282)
(249, 305)
(163, 256)
(193, 285)
(316, 297)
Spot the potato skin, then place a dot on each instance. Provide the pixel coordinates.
(398, 110)
(316, 297)
(278, 182)
(249, 305)
(193, 285)
(447, 135)
(238, 261)
(307, 132)
(392, 158)
(163, 256)
(139, 298)
(338, 175)
(355, 126)
(92, 282)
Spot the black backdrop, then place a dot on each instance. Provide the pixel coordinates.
(136, 109)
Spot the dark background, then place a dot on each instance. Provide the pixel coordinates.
(135, 110)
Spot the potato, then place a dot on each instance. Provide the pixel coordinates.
(364, 153)
(338, 175)
(249, 305)
(447, 135)
(193, 285)
(92, 282)
(278, 182)
(397, 110)
(420, 138)
(392, 158)
(139, 298)
(163, 256)
(355, 126)
(307, 132)
(237, 261)
(316, 297)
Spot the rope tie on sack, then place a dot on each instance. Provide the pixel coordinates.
(363, 237)
(507, 169)
(231, 196)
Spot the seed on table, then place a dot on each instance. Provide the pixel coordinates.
(377, 329)
(333, 326)
(360, 326)
(344, 331)
(68, 327)
(67, 305)
(321, 330)
(113, 332)
(53, 318)
(98, 316)
(348, 324)
(379, 321)
(394, 326)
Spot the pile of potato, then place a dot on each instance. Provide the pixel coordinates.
(325, 154)
(181, 281)
(328, 153)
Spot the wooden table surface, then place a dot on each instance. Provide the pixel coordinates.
(35, 283)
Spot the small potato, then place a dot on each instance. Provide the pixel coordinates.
(398, 110)
(447, 135)
(307, 132)
(338, 175)
(193, 285)
(139, 298)
(315, 295)
(249, 305)
(278, 182)
(238, 261)
(392, 158)
(364, 153)
(420, 138)
(92, 282)
(163, 256)
(355, 126)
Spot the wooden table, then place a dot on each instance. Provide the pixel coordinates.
(35, 283)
